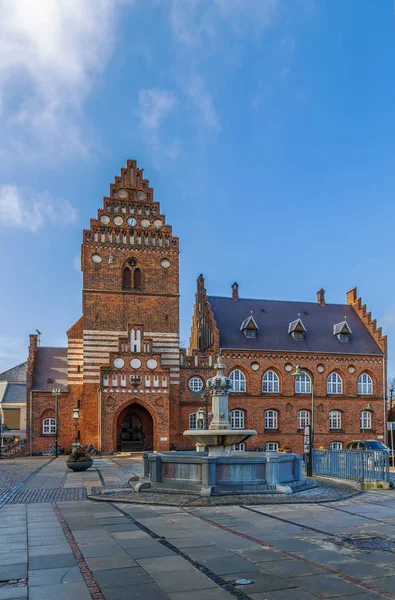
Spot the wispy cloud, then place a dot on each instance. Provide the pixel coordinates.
(77, 263)
(50, 54)
(24, 209)
(154, 106)
(203, 103)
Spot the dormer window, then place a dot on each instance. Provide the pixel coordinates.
(249, 327)
(342, 331)
(297, 329)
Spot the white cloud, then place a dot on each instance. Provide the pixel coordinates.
(77, 263)
(24, 209)
(154, 106)
(50, 53)
(203, 103)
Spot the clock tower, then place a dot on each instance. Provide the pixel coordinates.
(124, 350)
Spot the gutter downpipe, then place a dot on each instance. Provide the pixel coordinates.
(385, 432)
(30, 425)
(99, 418)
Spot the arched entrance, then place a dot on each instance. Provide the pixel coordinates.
(134, 429)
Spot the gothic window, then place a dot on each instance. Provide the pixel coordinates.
(335, 446)
(270, 382)
(114, 380)
(137, 279)
(237, 419)
(335, 419)
(123, 380)
(334, 384)
(366, 420)
(303, 384)
(193, 421)
(49, 426)
(135, 340)
(105, 379)
(156, 380)
(238, 381)
(271, 419)
(303, 419)
(127, 279)
(365, 384)
(271, 447)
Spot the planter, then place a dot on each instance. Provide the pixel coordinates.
(80, 465)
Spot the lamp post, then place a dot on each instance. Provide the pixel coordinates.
(206, 397)
(76, 414)
(298, 372)
(56, 393)
(200, 418)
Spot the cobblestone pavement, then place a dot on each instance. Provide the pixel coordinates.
(14, 470)
(82, 549)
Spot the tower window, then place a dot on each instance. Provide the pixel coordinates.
(127, 279)
(137, 279)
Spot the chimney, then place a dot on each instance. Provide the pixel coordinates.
(235, 291)
(321, 297)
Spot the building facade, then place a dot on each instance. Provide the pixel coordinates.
(135, 389)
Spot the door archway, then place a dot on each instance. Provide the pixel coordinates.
(135, 430)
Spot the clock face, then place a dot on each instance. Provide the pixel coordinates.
(132, 221)
(105, 219)
(118, 221)
(145, 223)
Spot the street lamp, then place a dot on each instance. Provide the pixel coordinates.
(76, 415)
(200, 418)
(56, 393)
(298, 372)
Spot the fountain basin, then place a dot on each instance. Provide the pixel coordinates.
(219, 441)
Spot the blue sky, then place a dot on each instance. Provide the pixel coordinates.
(266, 128)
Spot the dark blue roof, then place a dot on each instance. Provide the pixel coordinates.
(273, 318)
(12, 392)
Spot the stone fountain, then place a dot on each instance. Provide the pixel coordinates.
(218, 470)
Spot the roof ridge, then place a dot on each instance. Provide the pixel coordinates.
(275, 300)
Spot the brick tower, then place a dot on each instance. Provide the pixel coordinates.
(124, 351)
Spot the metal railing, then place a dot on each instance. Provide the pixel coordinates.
(355, 465)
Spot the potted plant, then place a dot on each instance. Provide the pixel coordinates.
(79, 460)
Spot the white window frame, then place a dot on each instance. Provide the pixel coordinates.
(334, 384)
(49, 426)
(237, 418)
(271, 447)
(303, 383)
(193, 421)
(271, 419)
(239, 447)
(365, 419)
(336, 446)
(335, 419)
(270, 382)
(238, 380)
(365, 385)
(303, 418)
(196, 384)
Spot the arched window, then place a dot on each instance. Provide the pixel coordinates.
(271, 447)
(270, 382)
(303, 384)
(366, 420)
(336, 446)
(334, 384)
(271, 419)
(237, 419)
(49, 426)
(127, 279)
(365, 384)
(335, 419)
(239, 447)
(303, 419)
(238, 381)
(193, 421)
(137, 279)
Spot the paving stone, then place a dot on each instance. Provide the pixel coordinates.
(95, 550)
(164, 564)
(262, 554)
(63, 548)
(121, 527)
(13, 592)
(229, 564)
(52, 562)
(54, 576)
(291, 594)
(15, 557)
(210, 594)
(77, 591)
(183, 581)
(385, 583)
(121, 577)
(18, 571)
(326, 586)
(262, 582)
(113, 520)
(147, 591)
(115, 561)
(208, 552)
(152, 551)
(289, 568)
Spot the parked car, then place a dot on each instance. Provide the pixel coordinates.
(373, 445)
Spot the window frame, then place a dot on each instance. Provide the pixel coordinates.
(368, 415)
(193, 418)
(196, 378)
(237, 447)
(270, 419)
(51, 426)
(339, 443)
(365, 385)
(335, 418)
(240, 381)
(334, 383)
(303, 383)
(239, 417)
(301, 417)
(271, 449)
(270, 380)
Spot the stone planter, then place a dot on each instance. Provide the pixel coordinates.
(79, 466)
